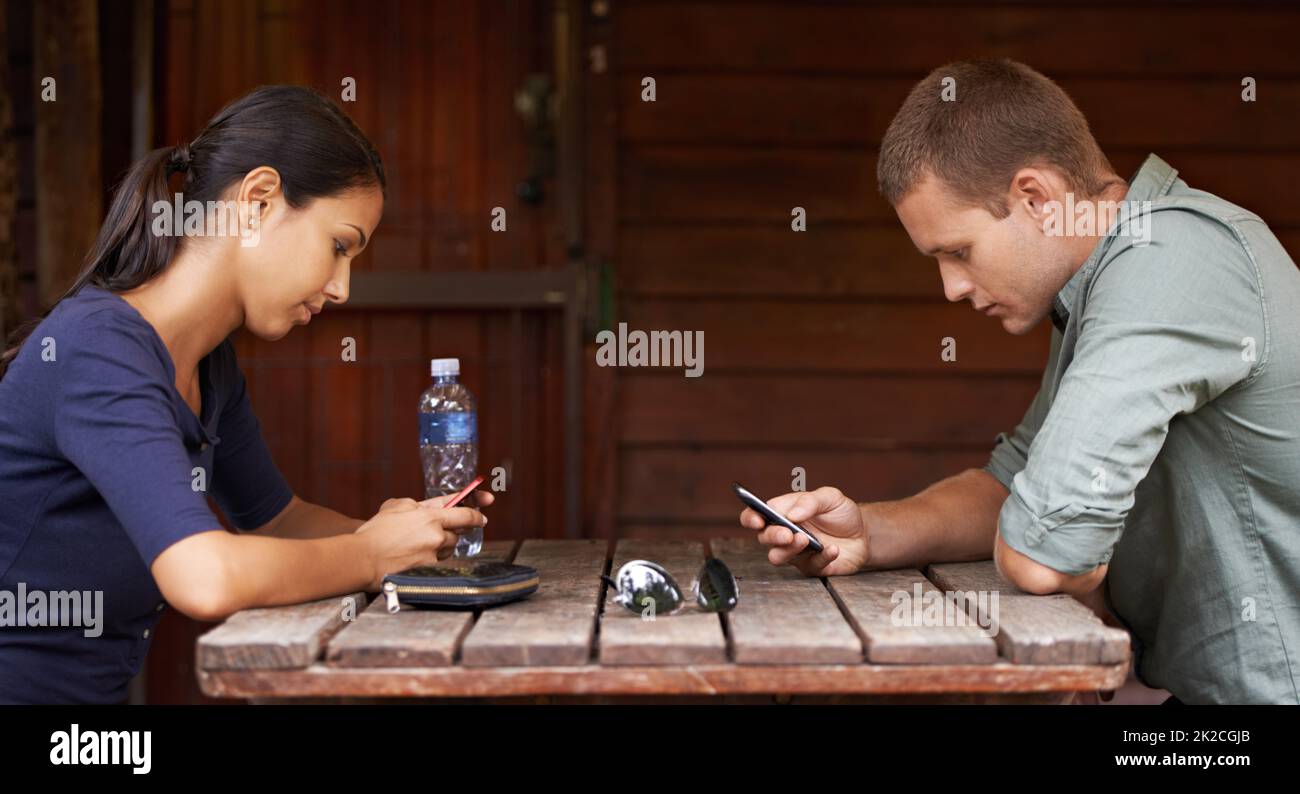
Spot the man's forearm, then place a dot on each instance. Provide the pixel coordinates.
(956, 520)
(953, 520)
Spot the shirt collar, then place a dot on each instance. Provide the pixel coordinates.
(1151, 181)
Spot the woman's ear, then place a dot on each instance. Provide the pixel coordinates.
(258, 193)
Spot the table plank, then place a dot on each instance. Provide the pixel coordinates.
(456, 681)
(413, 637)
(879, 603)
(275, 637)
(691, 636)
(1033, 629)
(553, 626)
(783, 617)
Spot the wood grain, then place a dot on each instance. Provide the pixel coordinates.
(823, 410)
(555, 625)
(715, 184)
(857, 337)
(275, 637)
(890, 632)
(829, 261)
(783, 617)
(323, 681)
(691, 485)
(901, 39)
(855, 110)
(786, 630)
(414, 637)
(1032, 629)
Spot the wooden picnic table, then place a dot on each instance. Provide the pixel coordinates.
(791, 637)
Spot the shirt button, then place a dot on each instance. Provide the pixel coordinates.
(161, 605)
(203, 447)
(1035, 535)
(146, 634)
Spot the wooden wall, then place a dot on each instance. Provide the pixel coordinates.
(822, 348)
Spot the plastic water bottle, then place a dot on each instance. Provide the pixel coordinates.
(449, 441)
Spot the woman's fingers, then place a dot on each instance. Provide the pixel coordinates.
(448, 542)
(451, 517)
(480, 498)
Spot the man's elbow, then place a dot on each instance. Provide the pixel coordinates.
(1026, 574)
(1034, 577)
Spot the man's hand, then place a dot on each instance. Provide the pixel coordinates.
(831, 516)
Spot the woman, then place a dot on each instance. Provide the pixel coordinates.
(124, 407)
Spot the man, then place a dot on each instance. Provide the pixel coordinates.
(1156, 475)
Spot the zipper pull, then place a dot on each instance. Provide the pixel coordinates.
(390, 594)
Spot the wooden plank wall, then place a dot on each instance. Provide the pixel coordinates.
(17, 168)
(19, 294)
(435, 86)
(822, 348)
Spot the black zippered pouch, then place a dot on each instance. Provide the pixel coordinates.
(463, 585)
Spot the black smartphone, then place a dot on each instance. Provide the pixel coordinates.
(771, 516)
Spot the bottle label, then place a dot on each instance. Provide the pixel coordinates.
(445, 427)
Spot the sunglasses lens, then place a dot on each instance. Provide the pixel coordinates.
(715, 588)
(641, 582)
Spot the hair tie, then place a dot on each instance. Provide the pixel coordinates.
(180, 160)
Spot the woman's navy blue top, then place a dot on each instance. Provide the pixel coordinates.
(103, 466)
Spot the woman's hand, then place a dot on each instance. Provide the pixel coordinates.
(832, 517)
(406, 533)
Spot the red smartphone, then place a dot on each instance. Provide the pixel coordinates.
(455, 500)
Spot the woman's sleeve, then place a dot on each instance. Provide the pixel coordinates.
(246, 483)
(114, 420)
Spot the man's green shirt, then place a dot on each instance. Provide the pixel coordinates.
(1165, 441)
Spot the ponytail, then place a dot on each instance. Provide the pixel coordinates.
(316, 148)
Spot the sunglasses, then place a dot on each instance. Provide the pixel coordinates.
(641, 582)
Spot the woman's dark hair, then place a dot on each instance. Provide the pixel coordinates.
(297, 131)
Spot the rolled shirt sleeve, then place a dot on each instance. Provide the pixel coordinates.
(247, 485)
(1165, 329)
(114, 419)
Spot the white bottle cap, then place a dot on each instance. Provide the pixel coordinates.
(444, 366)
